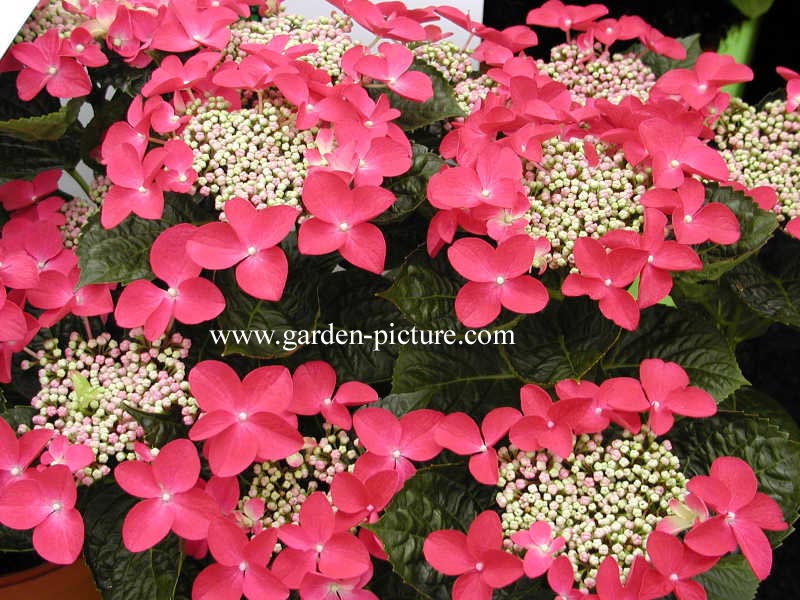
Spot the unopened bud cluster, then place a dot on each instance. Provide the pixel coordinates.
(603, 500)
(762, 147)
(331, 36)
(472, 91)
(51, 15)
(76, 212)
(588, 74)
(284, 485)
(87, 386)
(252, 153)
(571, 198)
(449, 59)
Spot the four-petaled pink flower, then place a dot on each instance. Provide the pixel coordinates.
(241, 420)
(339, 220)
(47, 64)
(45, 501)
(476, 558)
(561, 579)
(241, 567)
(392, 68)
(497, 278)
(675, 565)
(189, 298)
(314, 385)
(541, 547)
(731, 490)
(16, 454)
(172, 502)
(460, 434)
(249, 238)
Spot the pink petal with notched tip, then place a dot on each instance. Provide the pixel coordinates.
(137, 479)
(198, 300)
(478, 304)
(215, 385)
(216, 246)
(318, 237)
(264, 275)
(446, 551)
(524, 295)
(343, 556)
(59, 538)
(364, 246)
(146, 524)
(218, 582)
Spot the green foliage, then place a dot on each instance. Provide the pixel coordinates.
(47, 127)
(752, 8)
(730, 579)
(443, 105)
(410, 187)
(159, 429)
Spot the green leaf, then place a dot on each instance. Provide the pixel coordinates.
(16, 415)
(775, 296)
(754, 402)
(159, 429)
(14, 540)
(119, 574)
(424, 292)
(442, 106)
(410, 188)
(752, 8)
(106, 113)
(122, 254)
(47, 127)
(434, 498)
(661, 64)
(730, 579)
(756, 226)
(563, 341)
(277, 323)
(460, 377)
(84, 392)
(774, 458)
(682, 337)
(353, 306)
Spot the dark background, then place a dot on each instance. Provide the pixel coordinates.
(771, 362)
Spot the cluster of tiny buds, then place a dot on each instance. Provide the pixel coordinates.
(253, 154)
(571, 199)
(284, 485)
(455, 63)
(87, 387)
(331, 36)
(473, 90)
(51, 15)
(589, 74)
(603, 500)
(762, 147)
(76, 212)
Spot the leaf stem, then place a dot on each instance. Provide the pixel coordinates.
(78, 178)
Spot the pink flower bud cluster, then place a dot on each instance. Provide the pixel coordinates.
(284, 485)
(331, 36)
(762, 147)
(449, 59)
(76, 214)
(87, 386)
(588, 74)
(247, 153)
(47, 16)
(603, 500)
(571, 198)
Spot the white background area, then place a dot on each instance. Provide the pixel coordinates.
(12, 15)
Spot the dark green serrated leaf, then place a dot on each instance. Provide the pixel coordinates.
(47, 127)
(24, 160)
(14, 540)
(277, 323)
(122, 254)
(474, 379)
(18, 415)
(774, 458)
(353, 306)
(752, 8)
(754, 402)
(730, 579)
(682, 337)
(563, 341)
(410, 188)
(442, 106)
(661, 64)
(774, 296)
(756, 226)
(119, 574)
(434, 498)
(159, 429)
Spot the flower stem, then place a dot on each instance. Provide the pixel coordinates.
(78, 178)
